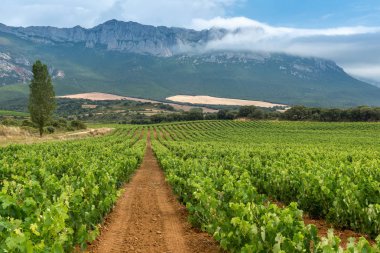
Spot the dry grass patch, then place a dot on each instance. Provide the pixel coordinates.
(6, 131)
(17, 135)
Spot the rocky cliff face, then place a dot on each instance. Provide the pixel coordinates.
(301, 67)
(16, 68)
(121, 36)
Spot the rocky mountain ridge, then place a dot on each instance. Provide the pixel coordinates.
(302, 67)
(121, 36)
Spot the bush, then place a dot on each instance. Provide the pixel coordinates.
(211, 116)
(9, 122)
(257, 114)
(50, 129)
(244, 111)
(78, 125)
(166, 107)
(27, 123)
(60, 123)
(69, 128)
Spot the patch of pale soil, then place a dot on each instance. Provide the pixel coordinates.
(207, 100)
(242, 119)
(84, 133)
(187, 108)
(89, 106)
(98, 96)
(148, 218)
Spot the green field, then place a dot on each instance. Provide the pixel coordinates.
(228, 172)
(231, 176)
(13, 113)
(54, 195)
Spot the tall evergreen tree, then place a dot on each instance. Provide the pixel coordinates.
(42, 96)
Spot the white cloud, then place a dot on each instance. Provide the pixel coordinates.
(170, 12)
(250, 25)
(368, 71)
(88, 13)
(356, 49)
(66, 13)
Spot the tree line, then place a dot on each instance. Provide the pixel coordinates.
(296, 113)
(303, 113)
(361, 113)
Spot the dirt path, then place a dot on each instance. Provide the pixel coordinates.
(148, 218)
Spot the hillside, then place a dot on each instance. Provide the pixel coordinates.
(130, 59)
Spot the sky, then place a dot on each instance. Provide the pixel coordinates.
(346, 31)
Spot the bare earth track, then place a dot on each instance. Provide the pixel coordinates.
(148, 218)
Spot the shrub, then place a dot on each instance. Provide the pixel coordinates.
(78, 125)
(27, 123)
(59, 123)
(50, 129)
(70, 128)
(211, 116)
(9, 122)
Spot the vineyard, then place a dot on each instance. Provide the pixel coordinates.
(232, 175)
(53, 196)
(248, 184)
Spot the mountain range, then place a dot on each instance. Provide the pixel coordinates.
(131, 59)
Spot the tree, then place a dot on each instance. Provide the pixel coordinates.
(194, 114)
(41, 97)
(221, 114)
(297, 112)
(244, 111)
(226, 114)
(257, 114)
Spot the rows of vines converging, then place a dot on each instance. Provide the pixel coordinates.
(52, 196)
(226, 182)
(343, 187)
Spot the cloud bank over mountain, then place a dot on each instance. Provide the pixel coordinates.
(357, 49)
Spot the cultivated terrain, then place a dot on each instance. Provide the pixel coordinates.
(276, 185)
